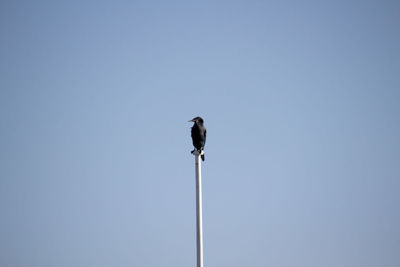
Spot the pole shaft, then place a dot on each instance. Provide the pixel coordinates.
(199, 216)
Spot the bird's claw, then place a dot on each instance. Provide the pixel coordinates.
(197, 152)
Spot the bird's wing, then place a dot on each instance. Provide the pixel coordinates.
(205, 135)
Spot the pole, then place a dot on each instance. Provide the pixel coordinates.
(199, 216)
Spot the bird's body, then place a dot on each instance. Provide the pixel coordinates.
(199, 133)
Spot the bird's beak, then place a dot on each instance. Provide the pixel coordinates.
(191, 120)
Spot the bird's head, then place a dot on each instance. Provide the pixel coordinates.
(197, 119)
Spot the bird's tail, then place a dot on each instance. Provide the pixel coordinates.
(202, 157)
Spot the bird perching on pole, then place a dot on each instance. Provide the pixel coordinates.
(199, 134)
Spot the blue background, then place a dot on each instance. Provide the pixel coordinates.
(301, 100)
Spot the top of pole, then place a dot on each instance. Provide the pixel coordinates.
(197, 153)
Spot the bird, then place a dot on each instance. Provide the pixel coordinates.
(199, 133)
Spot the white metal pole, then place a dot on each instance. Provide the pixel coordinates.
(199, 216)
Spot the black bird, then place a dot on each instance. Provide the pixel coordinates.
(199, 133)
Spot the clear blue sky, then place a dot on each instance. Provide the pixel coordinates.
(302, 104)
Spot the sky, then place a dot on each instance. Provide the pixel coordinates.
(301, 100)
